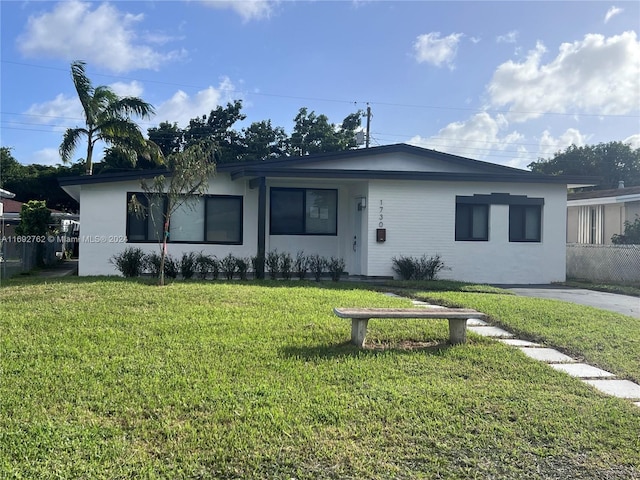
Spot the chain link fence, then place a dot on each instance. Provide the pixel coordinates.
(16, 257)
(604, 263)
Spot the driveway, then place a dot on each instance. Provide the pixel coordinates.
(606, 301)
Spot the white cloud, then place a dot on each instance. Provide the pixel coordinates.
(430, 48)
(612, 12)
(247, 9)
(484, 137)
(46, 156)
(510, 37)
(133, 89)
(106, 35)
(597, 75)
(549, 146)
(181, 107)
(633, 140)
(62, 111)
(473, 138)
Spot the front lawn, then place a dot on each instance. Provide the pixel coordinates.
(106, 378)
(601, 338)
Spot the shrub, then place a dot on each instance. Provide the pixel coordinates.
(272, 262)
(170, 267)
(631, 235)
(336, 268)
(242, 266)
(301, 264)
(413, 268)
(130, 262)
(203, 265)
(405, 267)
(286, 263)
(188, 265)
(228, 266)
(215, 268)
(257, 265)
(428, 268)
(316, 266)
(152, 263)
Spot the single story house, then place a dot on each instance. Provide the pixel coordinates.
(489, 223)
(594, 217)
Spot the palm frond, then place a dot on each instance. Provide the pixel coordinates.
(128, 106)
(70, 142)
(83, 85)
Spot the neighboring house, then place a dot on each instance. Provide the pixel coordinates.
(9, 213)
(489, 223)
(594, 217)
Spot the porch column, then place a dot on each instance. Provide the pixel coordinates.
(262, 221)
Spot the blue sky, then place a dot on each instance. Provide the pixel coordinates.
(503, 82)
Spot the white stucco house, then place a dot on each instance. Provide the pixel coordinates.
(489, 223)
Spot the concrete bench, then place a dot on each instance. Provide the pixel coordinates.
(457, 319)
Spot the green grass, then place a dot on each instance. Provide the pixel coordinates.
(601, 338)
(631, 289)
(106, 378)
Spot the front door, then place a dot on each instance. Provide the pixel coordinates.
(356, 237)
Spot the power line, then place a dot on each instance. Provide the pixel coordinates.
(353, 102)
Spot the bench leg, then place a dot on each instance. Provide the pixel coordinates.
(358, 331)
(457, 331)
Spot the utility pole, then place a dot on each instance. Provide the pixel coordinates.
(368, 125)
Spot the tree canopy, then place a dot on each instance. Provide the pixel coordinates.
(611, 162)
(260, 140)
(37, 182)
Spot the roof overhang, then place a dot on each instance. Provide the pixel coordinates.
(604, 200)
(252, 173)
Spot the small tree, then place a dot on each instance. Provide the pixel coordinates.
(631, 235)
(187, 180)
(35, 218)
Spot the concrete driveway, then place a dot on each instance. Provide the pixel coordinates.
(606, 301)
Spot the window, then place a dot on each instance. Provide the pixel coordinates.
(223, 220)
(303, 211)
(472, 222)
(525, 223)
(147, 227)
(208, 219)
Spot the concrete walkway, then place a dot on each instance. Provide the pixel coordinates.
(614, 302)
(62, 269)
(602, 380)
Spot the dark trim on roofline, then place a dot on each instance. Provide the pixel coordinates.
(112, 177)
(523, 177)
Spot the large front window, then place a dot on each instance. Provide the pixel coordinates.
(206, 219)
(303, 211)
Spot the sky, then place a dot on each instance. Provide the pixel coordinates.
(502, 82)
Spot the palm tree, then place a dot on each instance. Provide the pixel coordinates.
(107, 118)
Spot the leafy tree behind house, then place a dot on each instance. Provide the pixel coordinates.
(612, 162)
(35, 219)
(37, 182)
(107, 118)
(314, 134)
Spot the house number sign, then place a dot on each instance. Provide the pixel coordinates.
(380, 223)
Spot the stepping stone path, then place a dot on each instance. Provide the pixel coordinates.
(602, 380)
